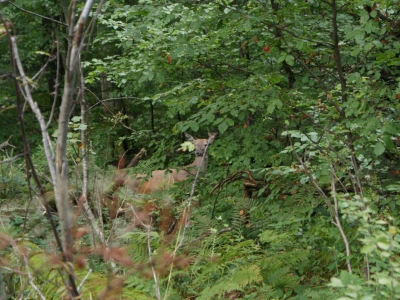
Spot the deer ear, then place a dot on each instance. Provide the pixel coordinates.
(190, 138)
(211, 137)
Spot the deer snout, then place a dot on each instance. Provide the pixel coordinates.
(199, 152)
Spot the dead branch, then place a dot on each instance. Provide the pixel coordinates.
(137, 157)
(6, 161)
(7, 144)
(250, 183)
(108, 193)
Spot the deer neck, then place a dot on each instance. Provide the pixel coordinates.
(199, 163)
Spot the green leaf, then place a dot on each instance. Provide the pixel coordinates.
(367, 249)
(379, 148)
(348, 278)
(194, 126)
(383, 245)
(336, 282)
(223, 126)
(210, 117)
(160, 77)
(282, 57)
(82, 127)
(247, 24)
(389, 143)
(385, 281)
(274, 79)
(275, 103)
(289, 60)
(190, 51)
(230, 122)
(76, 119)
(390, 128)
(271, 108)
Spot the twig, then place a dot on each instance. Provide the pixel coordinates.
(35, 108)
(84, 279)
(186, 215)
(30, 168)
(337, 222)
(6, 161)
(7, 144)
(155, 277)
(122, 123)
(137, 157)
(100, 102)
(249, 183)
(84, 196)
(27, 268)
(35, 14)
(57, 83)
(333, 209)
(40, 72)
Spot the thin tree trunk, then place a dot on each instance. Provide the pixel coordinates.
(76, 34)
(85, 170)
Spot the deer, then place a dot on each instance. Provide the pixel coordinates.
(164, 179)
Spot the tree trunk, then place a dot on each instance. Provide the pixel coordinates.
(76, 34)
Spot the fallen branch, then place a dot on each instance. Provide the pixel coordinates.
(7, 144)
(137, 157)
(250, 184)
(6, 161)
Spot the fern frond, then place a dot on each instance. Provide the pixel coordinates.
(232, 282)
(200, 237)
(137, 243)
(316, 293)
(277, 269)
(241, 214)
(100, 287)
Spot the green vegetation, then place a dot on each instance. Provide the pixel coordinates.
(304, 173)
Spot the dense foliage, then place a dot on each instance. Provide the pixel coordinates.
(305, 97)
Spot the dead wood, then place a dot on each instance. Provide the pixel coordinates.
(137, 157)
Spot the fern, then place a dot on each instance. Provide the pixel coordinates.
(137, 243)
(200, 238)
(235, 269)
(316, 293)
(277, 267)
(241, 214)
(100, 286)
(262, 293)
(235, 281)
(276, 274)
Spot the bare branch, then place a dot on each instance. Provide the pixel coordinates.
(137, 157)
(25, 262)
(7, 144)
(84, 279)
(75, 42)
(35, 108)
(155, 276)
(83, 200)
(337, 220)
(12, 158)
(187, 211)
(101, 102)
(57, 80)
(35, 14)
